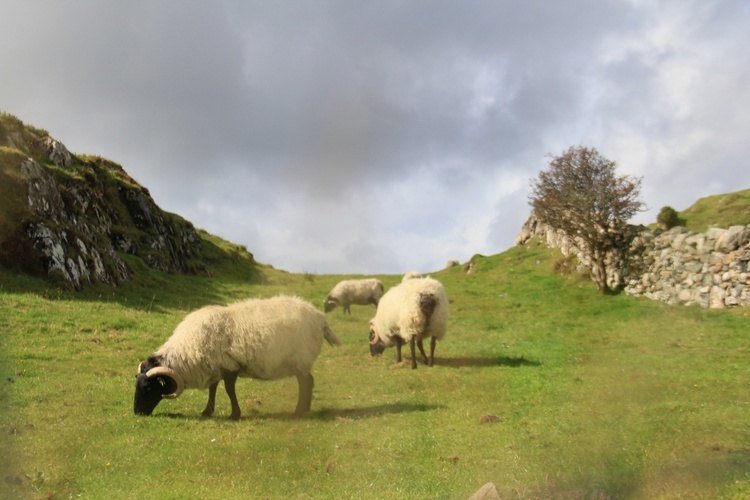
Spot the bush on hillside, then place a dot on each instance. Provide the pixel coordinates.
(668, 218)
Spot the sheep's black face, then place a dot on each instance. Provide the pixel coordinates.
(147, 395)
(378, 347)
(149, 392)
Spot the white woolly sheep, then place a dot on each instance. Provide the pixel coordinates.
(411, 275)
(360, 292)
(265, 339)
(410, 312)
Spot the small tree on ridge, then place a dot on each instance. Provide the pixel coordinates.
(581, 195)
(668, 218)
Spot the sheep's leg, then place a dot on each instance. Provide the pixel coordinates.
(421, 350)
(304, 401)
(211, 400)
(398, 349)
(347, 310)
(413, 354)
(432, 350)
(229, 380)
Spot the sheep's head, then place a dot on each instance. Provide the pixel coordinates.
(330, 303)
(154, 383)
(377, 346)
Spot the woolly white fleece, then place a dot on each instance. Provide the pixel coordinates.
(261, 338)
(399, 313)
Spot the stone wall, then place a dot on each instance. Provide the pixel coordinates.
(676, 266)
(682, 267)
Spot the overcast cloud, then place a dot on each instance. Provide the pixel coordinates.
(383, 137)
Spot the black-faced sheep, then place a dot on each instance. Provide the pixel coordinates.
(265, 339)
(360, 292)
(415, 310)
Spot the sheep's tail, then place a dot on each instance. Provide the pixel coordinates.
(330, 337)
(427, 304)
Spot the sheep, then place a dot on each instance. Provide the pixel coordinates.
(265, 339)
(412, 311)
(410, 276)
(359, 292)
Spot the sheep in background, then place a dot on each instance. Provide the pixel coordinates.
(452, 263)
(265, 339)
(411, 275)
(415, 310)
(360, 292)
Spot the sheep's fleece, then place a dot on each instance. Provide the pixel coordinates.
(399, 312)
(349, 292)
(261, 338)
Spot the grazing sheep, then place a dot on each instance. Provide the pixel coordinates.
(452, 263)
(411, 275)
(359, 292)
(265, 339)
(410, 312)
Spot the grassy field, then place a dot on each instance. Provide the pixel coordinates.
(722, 210)
(542, 386)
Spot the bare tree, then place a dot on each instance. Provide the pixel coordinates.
(581, 195)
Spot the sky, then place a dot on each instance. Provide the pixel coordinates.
(340, 137)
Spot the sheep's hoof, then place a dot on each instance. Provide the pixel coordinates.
(235, 416)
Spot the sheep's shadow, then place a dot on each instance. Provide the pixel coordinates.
(371, 411)
(479, 362)
(332, 414)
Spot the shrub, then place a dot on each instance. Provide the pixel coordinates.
(668, 218)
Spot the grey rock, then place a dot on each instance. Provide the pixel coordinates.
(487, 492)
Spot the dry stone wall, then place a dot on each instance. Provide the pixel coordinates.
(683, 267)
(676, 266)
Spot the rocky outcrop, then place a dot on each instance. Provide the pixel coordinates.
(82, 214)
(676, 266)
(57, 152)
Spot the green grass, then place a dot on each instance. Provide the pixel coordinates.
(721, 210)
(591, 395)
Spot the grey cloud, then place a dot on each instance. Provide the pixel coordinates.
(371, 133)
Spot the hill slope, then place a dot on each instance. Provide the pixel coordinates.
(542, 386)
(82, 219)
(721, 210)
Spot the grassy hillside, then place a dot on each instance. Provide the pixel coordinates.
(542, 386)
(721, 210)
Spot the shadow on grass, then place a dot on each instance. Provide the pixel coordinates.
(371, 411)
(323, 414)
(479, 362)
